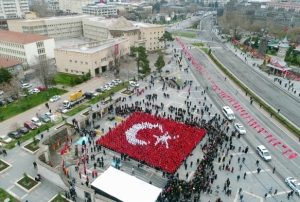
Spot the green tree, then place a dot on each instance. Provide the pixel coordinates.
(175, 17)
(160, 63)
(26, 92)
(167, 36)
(5, 75)
(141, 59)
(72, 81)
(26, 178)
(34, 141)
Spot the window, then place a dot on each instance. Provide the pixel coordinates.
(75, 61)
(70, 60)
(81, 62)
(86, 63)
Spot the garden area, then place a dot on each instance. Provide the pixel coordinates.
(70, 79)
(3, 165)
(27, 182)
(198, 44)
(27, 103)
(33, 146)
(59, 198)
(76, 110)
(4, 195)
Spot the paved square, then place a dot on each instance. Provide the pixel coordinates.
(159, 142)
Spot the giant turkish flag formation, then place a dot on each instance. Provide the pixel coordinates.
(159, 142)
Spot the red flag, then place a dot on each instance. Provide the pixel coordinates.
(157, 141)
(189, 90)
(287, 28)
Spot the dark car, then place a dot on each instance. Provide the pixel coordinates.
(23, 130)
(14, 134)
(100, 90)
(88, 95)
(2, 103)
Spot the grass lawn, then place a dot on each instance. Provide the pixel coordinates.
(185, 34)
(33, 147)
(107, 93)
(62, 199)
(4, 195)
(76, 110)
(198, 44)
(3, 166)
(27, 103)
(205, 50)
(64, 79)
(28, 136)
(31, 183)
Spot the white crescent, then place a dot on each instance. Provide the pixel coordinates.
(132, 132)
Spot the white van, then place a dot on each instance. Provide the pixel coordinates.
(228, 113)
(264, 153)
(36, 121)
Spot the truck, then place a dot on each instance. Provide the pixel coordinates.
(75, 98)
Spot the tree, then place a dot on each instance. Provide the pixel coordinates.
(26, 178)
(45, 71)
(14, 126)
(5, 75)
(141, 59)
(12, 89)
(167, 36)
(160, 63)
(41, 9)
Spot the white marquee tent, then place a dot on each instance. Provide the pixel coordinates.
(125, 187)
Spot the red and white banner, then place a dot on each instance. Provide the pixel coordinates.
(160, 142)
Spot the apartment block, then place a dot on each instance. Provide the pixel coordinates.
(26, 48)
(100, 9)
(74, 6)
(13, 8)
(53, 5)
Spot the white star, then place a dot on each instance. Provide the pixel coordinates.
(163, 139)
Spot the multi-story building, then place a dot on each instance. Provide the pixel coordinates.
(284, 5)
(15, 67)
(94, 57)
(13, 8)
(95, 28)
(74, 6)
(53, 5)
(26, 48)
(55, 27)
(100, 9)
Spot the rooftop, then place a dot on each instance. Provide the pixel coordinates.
(20, 38)
(100, 5)
(53, 18)
(7, 62)
(86, 49)
(60, 43)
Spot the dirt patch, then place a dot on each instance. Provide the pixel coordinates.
(32, 147)
(3, 166)
(27, 185)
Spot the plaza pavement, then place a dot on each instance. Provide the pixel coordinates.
(255, 185)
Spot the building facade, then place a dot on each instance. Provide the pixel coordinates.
(53, 5)
(55, 27)
(100, 9)
(26, 48)
(15, 67)
(13, 8)
(95, 57)
(74, 6)
(284, 5)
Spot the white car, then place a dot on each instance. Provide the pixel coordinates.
(61, 110)
(5, 139)
(95, 94)
(293, 184)
(240, 128)
(48, 114)
(110, 85)
(134, 84)
(33, 91)
(264, 153)
(116, 81)
(107, 87)
(26, 85)
(54, 98)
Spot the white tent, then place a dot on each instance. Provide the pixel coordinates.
(125, 187)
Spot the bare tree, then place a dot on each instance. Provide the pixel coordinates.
(41, 9)
(116, 53)
(12, 89)
(45, 71)
(14, 126)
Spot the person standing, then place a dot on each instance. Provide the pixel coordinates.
(245, 174)
(274, 170)
(258, 170)
(241, 167)
(257, 163)
(238, 177)
(265, 197)
(275, 192)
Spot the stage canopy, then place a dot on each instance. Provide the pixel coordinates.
(125, 187)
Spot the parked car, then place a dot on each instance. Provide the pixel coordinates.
(88, 95)
(10, 100)
(35, 90)
(134, 84)
(54, 98)
(45, 118)
(26, 85)
(94, 93)
(41, 88)
(2, 103)
(29, 125)
(240, 128)
(107, 87)
(36, 121)
(61, 110)
(263, 152)
(14, 134)
(5, 139)
(23, 130)
(116, 81)
(100, 90)
(293, 184)
(48, 114)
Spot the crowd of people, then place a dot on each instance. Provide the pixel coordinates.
(154, 152)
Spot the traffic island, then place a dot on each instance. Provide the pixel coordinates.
(27, 183)
(32, 147)
(127, 92)
(59, 198)
(4, 166)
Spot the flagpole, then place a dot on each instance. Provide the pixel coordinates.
(290, 26)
